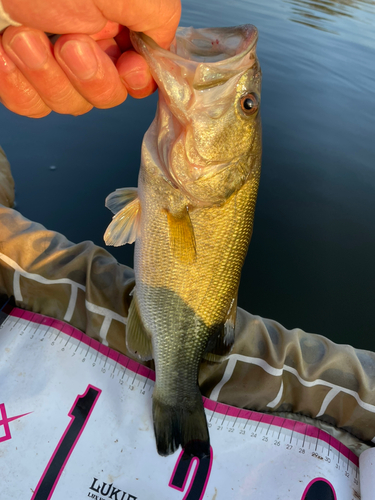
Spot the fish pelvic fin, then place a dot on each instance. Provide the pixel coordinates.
(181, 425)
(221, 343)
(138, 341)
(125, 225)
(181, 236)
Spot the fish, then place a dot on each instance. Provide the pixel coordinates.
(191, 217)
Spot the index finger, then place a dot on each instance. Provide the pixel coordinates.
(157, 18)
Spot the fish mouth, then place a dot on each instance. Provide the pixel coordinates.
(207, 44)
(215, 45)
(207, 56)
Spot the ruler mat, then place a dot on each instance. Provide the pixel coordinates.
(75, 423)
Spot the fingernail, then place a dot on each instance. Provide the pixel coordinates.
(80, 58)
(6, 64)
(30, 49)
(135, 80)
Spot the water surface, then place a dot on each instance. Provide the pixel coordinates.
(310, 263)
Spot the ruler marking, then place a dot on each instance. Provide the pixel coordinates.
(45, 333)
(270, 425)
(235, 421)
(123, 375)
(135, 374)
(144, 385)
(225, 416)
(33, 332)
(15, 324)
(317, 440)
(213, 412)
(291, 436)
(78, 345)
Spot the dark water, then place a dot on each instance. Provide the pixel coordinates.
(311, 260)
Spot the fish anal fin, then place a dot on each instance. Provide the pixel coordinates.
(138, 341)
(124, 227)
(221, 342)
(181, 237)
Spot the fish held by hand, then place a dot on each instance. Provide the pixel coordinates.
(191, 217)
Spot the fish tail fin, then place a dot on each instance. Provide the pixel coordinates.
(181, 425)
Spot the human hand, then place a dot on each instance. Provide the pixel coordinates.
(95, 68)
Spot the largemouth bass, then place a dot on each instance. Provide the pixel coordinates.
(191, 217)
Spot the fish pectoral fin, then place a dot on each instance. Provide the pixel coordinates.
(221, 343)
(181, 237)
(117, 200)
(138, 341)
(124, 227)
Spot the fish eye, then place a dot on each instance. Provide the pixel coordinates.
(249, 103)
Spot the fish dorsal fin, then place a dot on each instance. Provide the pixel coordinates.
(138, 341)
(221, 343)
(124, 227)
(181, 236)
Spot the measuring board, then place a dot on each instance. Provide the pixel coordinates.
(75, 423)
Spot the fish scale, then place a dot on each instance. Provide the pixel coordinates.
(221, 263)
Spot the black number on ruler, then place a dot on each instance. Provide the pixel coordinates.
(196, 489)
(79, 414)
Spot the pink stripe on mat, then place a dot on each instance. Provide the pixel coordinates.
(209, 404)
(267, 419)
(17, 313)
(233, 412)
(27, 315)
